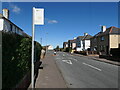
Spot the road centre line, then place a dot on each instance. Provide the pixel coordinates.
(92, 66)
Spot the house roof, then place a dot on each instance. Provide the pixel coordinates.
(111, 30)
(1, 16)
(72, 41)
(80, 37)
(87, 37)
(65, 43)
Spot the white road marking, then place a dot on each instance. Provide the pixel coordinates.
(58, 58)
(92, 66)
(73, 59)
(67, 61)
(63, 55)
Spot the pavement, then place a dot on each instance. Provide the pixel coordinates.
(50, 76)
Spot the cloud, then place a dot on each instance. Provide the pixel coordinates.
(14, 8)
(52, 21)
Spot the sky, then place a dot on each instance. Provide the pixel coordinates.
(64, 20)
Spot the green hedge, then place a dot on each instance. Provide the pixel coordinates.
(16, 58)
(115, 52)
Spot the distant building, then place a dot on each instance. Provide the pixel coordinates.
(65, 45)
(50, 47)
(7, 26)
(105, 40)
(72, 44)
(79, 44)
(86, 41)
(83, 42)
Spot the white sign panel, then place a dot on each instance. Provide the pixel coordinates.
(38, 16)
(1, 24)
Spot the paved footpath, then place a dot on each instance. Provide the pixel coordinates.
(49, 76)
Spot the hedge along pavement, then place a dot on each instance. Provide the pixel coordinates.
(16, 58)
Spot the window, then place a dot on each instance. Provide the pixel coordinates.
(102, 38)
(102, 48)
(10, 27)
(94, 40)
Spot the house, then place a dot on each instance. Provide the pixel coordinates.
(72, 44)
(105, 40)
(79, 44)
(83, 42)
(7, 26)
(65, 45)
(86, 41)
(50, 47)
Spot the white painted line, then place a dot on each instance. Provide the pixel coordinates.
(67, 61)
(92, 66)
(73, 59)
(58, 58)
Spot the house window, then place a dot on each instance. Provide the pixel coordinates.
(102, 48)
(102, 38)
(10, 27)
(94, 39)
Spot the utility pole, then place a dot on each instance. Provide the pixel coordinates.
(46, 43)
(41, 41)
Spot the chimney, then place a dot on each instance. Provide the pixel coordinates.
(74, 37)
(103, 28)
(6, 13)
(85, 34)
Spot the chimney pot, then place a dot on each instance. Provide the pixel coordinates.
(6, 13)
(103, 28)
(85, 34)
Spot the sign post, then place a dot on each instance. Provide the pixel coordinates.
(37, 19)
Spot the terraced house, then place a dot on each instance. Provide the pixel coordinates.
(8, 26)
(65, 45)
(72, 44)
(83, 42)
(105, 40)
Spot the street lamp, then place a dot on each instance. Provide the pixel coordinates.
(41, 41)
(46, 42)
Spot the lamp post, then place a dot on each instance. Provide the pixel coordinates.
(46, 42)
(41, 41)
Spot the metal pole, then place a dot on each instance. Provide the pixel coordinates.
(46, 43)
(32, 68)
(41, 41)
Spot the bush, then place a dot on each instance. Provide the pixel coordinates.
(115, 52)
(16, 58)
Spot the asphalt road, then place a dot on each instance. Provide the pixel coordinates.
(82, 72)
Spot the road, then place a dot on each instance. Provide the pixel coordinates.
(82, 72)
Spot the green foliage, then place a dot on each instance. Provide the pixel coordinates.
(61, 49)
(57, 48)
(38, 49)
(16, 58)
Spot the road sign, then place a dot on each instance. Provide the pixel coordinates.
(38, 16)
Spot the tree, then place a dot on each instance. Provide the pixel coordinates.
(57, 48)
